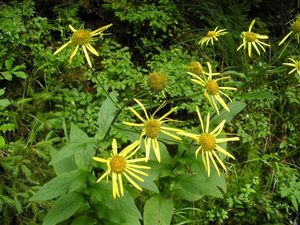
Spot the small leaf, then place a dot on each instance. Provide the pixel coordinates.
(8, 63)
(20, 74)
(7, 75)
(2, 91)
(158, 211)
(4, 103)
(2, 142)
(64, 208)
(7, 127)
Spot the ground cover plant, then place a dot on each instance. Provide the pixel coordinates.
(149, 112)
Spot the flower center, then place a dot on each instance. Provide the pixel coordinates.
(81, 37)
(157, 81)
(211, 34)
(212, 87)
(297, 65)
(195, 68)
(118, 164)
(207, 141)
(296, 26)
(152, 128)
(250, 36)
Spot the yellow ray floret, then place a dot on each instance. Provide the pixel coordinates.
(152, 127)
(83, 38)
(253, 39)
(295, 30)
(295, 64)
(212, 36)
(208, 141)
(120, 164)
(212, 91)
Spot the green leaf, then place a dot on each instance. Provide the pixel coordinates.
(20, 74)
(258, 95)
(193, 186)
(63, 166)
(64, 208)
(106, 115)
(77, 134)
(71, 148)
(7, 75)
(56, 187)
(4, 103)
(7, 127)
(84, 220)
(235, 108)
(2, 142)
(158, 211)
(8, 63)
(2, 91)
(119, 211)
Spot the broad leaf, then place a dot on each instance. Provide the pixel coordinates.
(56, 187)
(193, 186)
(64, 208)
(106, 115)
(119, 211)
(158, 211)
(71, 148)
(235, 108)
(258, 95)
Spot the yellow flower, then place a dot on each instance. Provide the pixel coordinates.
(157, 81)
(195, 68)
(252, 39)
(119, 164)
(212, 90)
(152, 127)
(83, 38)
(211, 36)
(295, 29)
(209, 144)
(295, 64)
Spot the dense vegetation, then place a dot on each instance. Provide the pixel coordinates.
(56, 116)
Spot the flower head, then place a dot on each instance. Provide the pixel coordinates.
(295, 29)
(295, 64)
(152, 127)
(253, 39)
(157, 81)
(212, 91)
(211, 36)
(119, 164)
(208, 142)
(195, 68)
(83, 38)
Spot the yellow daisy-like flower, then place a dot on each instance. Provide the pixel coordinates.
(211, 36)
(209, 144)
(295, 64)
(253, 39)
(213, 91)
(295, 29)
(83, 38)
(119, 165)
(152, 127)
(195, 68)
